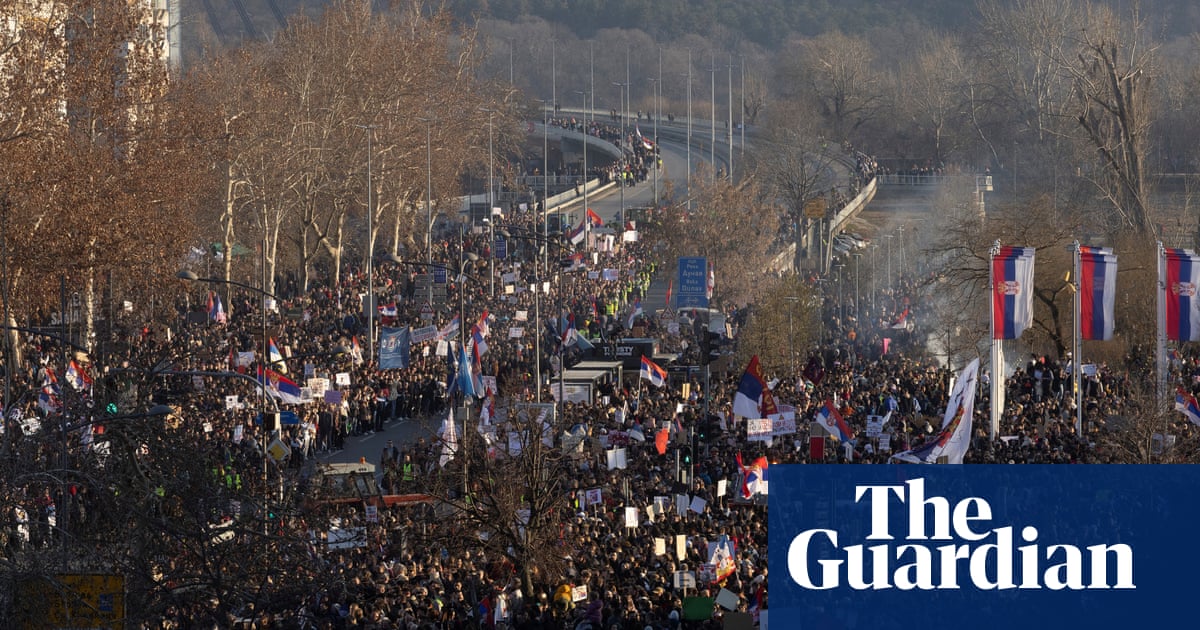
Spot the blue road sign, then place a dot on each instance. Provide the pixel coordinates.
(501, 248)
(693, 283)
(439, 275)
(286, 418)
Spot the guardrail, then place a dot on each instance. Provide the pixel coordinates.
(984, 182)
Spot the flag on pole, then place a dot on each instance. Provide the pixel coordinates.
(754, 477)
(78, 377)
(279, 386)
(670, 286)
(594, 218)
(1097, 292)
(465, 378)
(1012, 287)
(634, 312)
(568, 334)
(216, 310)
(902, 321)
(1182, 302)
(652, 372)
(275, 357)
(356, 351)
(955, 437)
(753, 399)
(833, 421)
(577, 234)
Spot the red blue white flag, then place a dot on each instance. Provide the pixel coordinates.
(1182, 304)
(653, 372)
(753, 399)
(1097, 292)
(833, 422)
(1012, 287)
(1185, 403)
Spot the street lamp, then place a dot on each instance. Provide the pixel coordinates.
(429, 193)
(491, 205)
(624, 150)
(688, 74)
(654, 156)
(586, 223)
(370, 256)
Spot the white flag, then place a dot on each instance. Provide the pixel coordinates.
(955, 437)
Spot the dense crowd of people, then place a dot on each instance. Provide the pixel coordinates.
(629, 570)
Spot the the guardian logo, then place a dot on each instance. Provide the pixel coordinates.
(973, 554)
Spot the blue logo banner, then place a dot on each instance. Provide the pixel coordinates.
(928, 547)
(394, 346)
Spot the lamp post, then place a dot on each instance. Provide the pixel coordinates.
(429, 195)
(654, 156)
(857, 307)
(585, 170)
(624, 149)
(491, 208)
(689, 130)
(188, 276)
(370, 257)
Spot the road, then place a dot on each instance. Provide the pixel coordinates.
(608, 205)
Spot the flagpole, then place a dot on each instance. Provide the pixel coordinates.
(1077, 364)
(1160, 339)
(997, 394)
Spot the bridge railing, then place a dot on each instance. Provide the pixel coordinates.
(983, 182)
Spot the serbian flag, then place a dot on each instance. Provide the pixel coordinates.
(275, 356)
(646, 144)
(1097, 292)
(901, 322)
(670, 286)
(954, 438)
(279, 386)
(216, 311)
(652, 372)
(356, 351)
(1012, 291)
(568, 333)
(78, 377)
(1185, 403)
(753, 399)
(577, 234)
(829, 418)
(634, 313)
(594, 218)
(754, 477)
(1182, 277)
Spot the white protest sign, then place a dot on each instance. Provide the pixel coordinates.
(579, 593)
(631, 517)
(680, 547)
(685, 579)
(874, 426)
(516, 333)
(231, 402)
(697, 505)
(722, 487)
(681, 503)
(660, 546)
(372, 513)
(594, 496)
(885, 442)
(342, 379)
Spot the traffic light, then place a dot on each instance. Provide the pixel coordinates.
(686, 454)
(710, 346)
